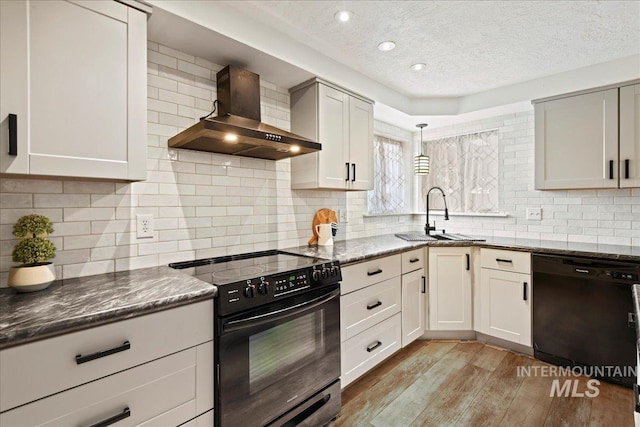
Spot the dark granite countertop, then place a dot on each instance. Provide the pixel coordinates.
(357, 250)
(74, 304)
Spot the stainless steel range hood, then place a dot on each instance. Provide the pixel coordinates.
(237, 130)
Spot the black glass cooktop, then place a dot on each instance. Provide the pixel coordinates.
(229, 269)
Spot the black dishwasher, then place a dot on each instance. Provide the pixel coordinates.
(582, 315)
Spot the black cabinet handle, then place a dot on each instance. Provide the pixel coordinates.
(412, 260)
(468, 262)
(372, 306)
(353, 167)
(524, 291)
(13, 134)
(80, 359)
(626, 168)
(631, 320)
(636, 397)
(347, 165)
(374, 346)
(424, 284)
(610, 169)
(504, 260)
(119, 417)
(373, 273)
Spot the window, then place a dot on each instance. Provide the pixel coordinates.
(466, 168)
(389, 189)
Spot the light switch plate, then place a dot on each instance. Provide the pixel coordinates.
(534, 214)
(342, 215)
(144, 226)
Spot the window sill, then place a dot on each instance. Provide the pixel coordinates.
(441, 213)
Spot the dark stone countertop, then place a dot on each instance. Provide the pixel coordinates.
(358, 250)
(73, 304)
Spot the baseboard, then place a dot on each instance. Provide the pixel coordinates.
(448, 335)
(479, 336)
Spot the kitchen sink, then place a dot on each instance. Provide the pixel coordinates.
(419, 237)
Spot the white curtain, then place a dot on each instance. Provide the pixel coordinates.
(388, 194)
(466, 168)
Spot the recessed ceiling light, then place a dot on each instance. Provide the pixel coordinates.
(343, 15)
(386, 46)
(418, 67)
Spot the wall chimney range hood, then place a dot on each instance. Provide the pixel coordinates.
(237, 130)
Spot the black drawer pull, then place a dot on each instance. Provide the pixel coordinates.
(610, 169)
(504, 260)
(121, 416)
(468, 262)
(424, 284)
(373, 273)
(374, 346)
(372, 306)
(412, 260)
(80, 359)
(524, 291)
(347, 165)
(13, 134)
(353, 166)
(626, 168)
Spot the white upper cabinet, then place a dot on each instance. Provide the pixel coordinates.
(577, 141)
(73, 81)
(589, 139)
(343, 123)
(630, 136)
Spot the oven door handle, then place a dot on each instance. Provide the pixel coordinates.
(250, 322)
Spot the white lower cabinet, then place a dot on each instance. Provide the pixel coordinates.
(450, 303)
(413, 304)
(369, 348)
(155, 369)
(506, 295)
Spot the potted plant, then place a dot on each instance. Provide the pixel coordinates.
(32, 250)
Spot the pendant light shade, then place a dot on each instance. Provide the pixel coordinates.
(421, 162)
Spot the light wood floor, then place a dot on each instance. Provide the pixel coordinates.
(453, 383)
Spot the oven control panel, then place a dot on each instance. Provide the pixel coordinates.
(246, 294)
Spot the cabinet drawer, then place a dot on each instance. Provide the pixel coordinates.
(364, 308)
(366, 350)
(412, 260)
(39, 369)
(500, 259)
(148, 391)
(367, 273)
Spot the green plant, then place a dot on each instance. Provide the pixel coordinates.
(33, 247)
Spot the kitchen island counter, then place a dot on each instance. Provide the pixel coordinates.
(74, 304)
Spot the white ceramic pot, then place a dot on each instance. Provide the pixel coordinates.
(32, 278)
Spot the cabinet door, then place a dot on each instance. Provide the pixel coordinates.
(413, 303)
(505, 301)
(630, 136)
(450, 289)
(361, 144)
(576, 142)
(333, 122)
(85, 112)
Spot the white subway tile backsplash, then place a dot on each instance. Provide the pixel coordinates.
(207, 205)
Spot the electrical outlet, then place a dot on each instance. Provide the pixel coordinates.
(144, 226)
(534, 214)
(342, 215)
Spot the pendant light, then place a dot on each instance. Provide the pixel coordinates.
(421, 162)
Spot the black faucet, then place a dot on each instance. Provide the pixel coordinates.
(427, 228)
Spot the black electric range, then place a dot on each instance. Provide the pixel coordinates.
(277, 338)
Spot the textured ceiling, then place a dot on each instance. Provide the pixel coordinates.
(468, 46)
